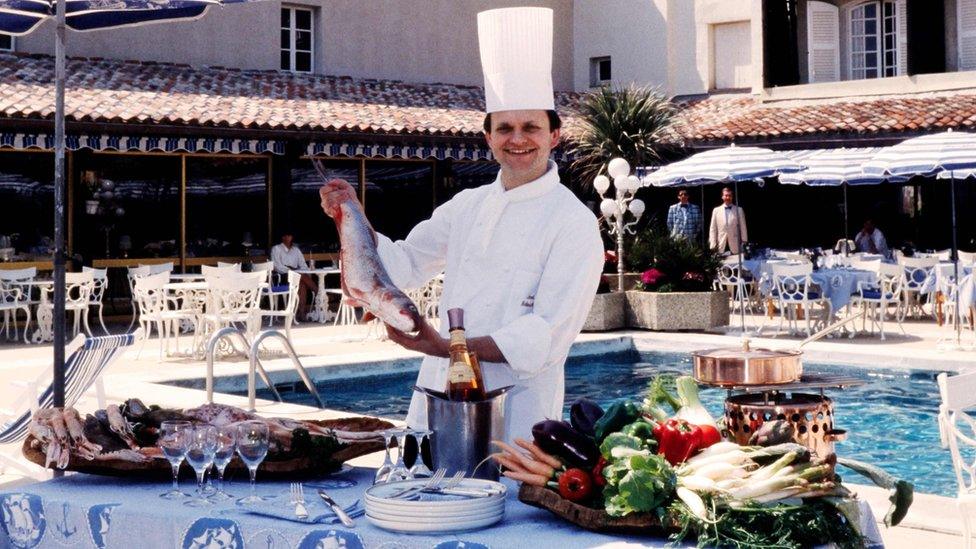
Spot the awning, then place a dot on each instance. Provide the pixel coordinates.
(74, 142)
(441, 151)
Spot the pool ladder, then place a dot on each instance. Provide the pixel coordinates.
(252, 352)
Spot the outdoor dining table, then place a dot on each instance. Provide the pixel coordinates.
(320, 312)
(837, 284)
(107, 512)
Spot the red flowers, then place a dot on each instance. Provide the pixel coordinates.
(651, 277)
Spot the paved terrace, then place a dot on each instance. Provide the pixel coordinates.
(345, 351)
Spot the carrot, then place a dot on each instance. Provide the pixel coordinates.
(528, 463)
(528, 478)
(538, 454)
(509, 463)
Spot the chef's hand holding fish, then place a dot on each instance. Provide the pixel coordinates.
(364, 280)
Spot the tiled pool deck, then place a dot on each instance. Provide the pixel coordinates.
(344, 352)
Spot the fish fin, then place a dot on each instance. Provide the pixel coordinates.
(320, 169)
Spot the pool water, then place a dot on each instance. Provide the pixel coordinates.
(891, 419)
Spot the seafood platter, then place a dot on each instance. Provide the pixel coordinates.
(121, 440)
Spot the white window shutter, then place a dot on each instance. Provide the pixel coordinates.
(966, 21)
(901, 36)
(823, 41)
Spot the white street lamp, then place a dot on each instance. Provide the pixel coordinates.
(616, 207)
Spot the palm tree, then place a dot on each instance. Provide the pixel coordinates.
(634, 123)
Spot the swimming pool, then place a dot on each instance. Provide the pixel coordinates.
(891, 419)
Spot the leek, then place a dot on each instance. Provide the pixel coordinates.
(692, 410)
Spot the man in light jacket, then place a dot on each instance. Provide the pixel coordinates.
(728, 230)
(522, 256)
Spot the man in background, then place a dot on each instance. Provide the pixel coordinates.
(870, 239)
(287, 257)
(728, 230)
(684, 219)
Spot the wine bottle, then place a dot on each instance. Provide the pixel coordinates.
(464, 380)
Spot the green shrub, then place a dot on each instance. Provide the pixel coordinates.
(671, 265)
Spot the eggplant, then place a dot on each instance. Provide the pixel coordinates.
(560, 439)
(583, 414)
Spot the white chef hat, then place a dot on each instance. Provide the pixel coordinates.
(516, 57)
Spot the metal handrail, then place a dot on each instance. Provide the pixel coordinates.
(211, 350)
(256, 362)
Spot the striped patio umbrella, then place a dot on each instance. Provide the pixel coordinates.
(837, 167)
(941, 155)
(19, 17)
(726, 165)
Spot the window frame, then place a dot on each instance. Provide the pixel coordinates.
(13, 42)
(292, 48)
(595, 70)
(857, 65)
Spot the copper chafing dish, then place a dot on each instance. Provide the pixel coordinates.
(809, 417)
(729, 367)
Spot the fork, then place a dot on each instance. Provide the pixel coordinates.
(453, 481)
(432, 482)
(298, 499)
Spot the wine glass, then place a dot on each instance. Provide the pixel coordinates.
(200, 451)
(400, 471)
(420, 469)
(383, 473)
(252, 446)
(173, 439)
(226, 445)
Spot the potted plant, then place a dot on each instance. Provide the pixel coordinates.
(675, 288)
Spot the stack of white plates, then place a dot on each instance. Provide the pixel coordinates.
(425, 513)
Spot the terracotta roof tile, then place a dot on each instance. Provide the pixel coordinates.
(102, 90)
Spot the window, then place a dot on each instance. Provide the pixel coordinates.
(874, 43)
(599, 70)
(296, 39)
(6, 42)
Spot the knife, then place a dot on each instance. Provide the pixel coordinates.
(346, 521)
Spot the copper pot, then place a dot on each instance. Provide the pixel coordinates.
(745, 366)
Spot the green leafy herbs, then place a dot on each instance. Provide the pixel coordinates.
(756, 526)
(320, 449)
(637, 483)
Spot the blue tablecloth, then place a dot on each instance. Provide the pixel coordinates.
(838, 285)
(90, 511)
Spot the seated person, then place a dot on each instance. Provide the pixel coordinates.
(870, 240)
(287, 257)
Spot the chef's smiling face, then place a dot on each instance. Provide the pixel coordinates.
(521, 142)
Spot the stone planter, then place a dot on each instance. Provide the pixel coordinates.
(607, 313)
(676, 310)
(630, 280)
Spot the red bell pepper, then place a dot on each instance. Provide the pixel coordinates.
(598, 478)
(677, 440)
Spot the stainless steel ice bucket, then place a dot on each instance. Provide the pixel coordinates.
(463, 431)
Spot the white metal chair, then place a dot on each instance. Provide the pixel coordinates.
(967, 258)
(957, 428)
(99, 281)
(77, 298)
(225, 265)
(291, 305)
(741, 286)
(153, 306)
(86, 360)
(15, 295)
(916, 271)
(875, 297)
(133, 273)
(210, 270)
(945, 293)
(794, 289)
(233, 300)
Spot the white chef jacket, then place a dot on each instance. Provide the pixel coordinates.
(524, 265)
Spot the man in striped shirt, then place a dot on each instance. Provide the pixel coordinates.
(684, 219)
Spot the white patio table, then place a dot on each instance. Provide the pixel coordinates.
(320, 312)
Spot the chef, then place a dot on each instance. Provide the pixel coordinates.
(522, 256)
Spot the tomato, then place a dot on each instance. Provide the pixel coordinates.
(709, 436)
(575, 485)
